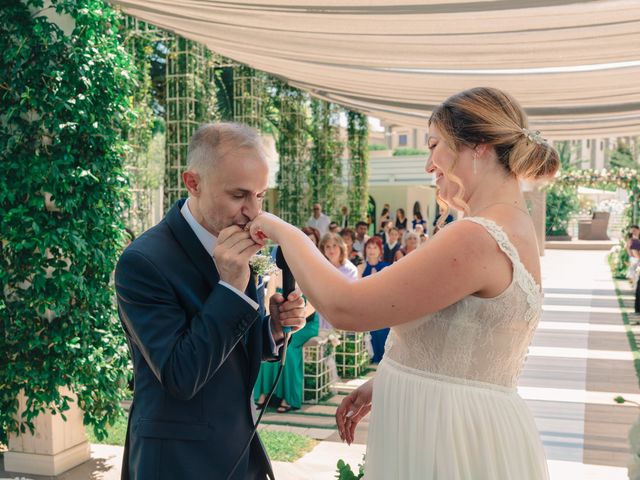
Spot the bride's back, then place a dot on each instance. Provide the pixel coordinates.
(476, 339)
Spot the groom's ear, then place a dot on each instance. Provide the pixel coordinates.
(191, 181)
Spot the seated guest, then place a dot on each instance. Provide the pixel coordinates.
(361, 237)
(384, 218)
(349, 237)
(313, 234)
(418, 220)
(333, 227)
(392, 252)
(401, 221)
(411, 243)
(421, 234)
(373, 264)
(333, 247)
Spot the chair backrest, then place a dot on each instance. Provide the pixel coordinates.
(601, 215)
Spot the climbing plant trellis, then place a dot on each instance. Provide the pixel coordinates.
(325, 165)
(249, 92)
(190, 102)
(138, 39)
(292, 146)
(358, 130)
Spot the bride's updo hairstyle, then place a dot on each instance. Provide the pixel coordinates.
(493, 117)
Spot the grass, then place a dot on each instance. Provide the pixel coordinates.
(281, 446)
(115, 434)
(286, 446)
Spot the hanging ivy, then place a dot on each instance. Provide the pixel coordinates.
(325, 169)
(358, 131)
(144, 170)
(66, 105)
(292, 146)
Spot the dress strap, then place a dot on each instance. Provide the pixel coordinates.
(522, 275)
(499, 236)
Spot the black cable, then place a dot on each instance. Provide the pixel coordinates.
(264, 408)
(288, 285)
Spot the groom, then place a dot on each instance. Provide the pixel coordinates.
(195, 322)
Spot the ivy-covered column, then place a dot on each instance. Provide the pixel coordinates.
(325, 170)
(358, 191)
(65, 87)
(189, 102)
(291, 145)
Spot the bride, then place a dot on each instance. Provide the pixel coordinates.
(444, 397)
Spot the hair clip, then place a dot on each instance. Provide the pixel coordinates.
(533, 136)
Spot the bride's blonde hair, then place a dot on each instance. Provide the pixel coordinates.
(492, 117)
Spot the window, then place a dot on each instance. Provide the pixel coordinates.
(588, 143)
(402, 140)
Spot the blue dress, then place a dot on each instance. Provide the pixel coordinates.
(378, 337)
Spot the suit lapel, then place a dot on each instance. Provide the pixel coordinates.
(189, 242)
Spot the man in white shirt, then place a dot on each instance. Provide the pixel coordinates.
(195, 322)
(319, 220)
(361, 237)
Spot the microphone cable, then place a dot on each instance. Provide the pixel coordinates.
(288, 285)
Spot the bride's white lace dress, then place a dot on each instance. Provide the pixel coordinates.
(445, 405)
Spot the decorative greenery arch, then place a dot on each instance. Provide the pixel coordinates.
(626, 178)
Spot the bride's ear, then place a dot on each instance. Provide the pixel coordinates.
(481, 149)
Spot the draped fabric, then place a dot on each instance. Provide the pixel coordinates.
(574, 66)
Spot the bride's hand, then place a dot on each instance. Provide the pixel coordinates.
(265, 225)
(353, 409)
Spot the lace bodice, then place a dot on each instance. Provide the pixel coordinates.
(476, 339)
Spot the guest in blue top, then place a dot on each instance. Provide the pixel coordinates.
(392, 246)
(373, 264)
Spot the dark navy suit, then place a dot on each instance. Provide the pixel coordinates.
(196, 348)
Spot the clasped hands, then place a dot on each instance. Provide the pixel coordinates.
(232, 253)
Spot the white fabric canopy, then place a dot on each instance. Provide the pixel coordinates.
(574, 66)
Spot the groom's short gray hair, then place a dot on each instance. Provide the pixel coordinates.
(213, 141)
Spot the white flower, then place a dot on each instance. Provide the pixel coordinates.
(262, 264)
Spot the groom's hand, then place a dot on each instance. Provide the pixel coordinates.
(286, 314)
(232, 254)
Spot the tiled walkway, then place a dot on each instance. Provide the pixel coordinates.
(579, 361)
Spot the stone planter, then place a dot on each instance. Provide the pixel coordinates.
(56, 446)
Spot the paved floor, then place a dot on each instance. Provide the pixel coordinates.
(579, 361)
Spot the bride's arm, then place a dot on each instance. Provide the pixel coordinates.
(461, 260)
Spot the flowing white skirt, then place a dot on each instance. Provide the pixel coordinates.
(426, 426)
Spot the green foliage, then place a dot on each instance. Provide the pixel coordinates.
(292, 141)
(622, 157)
(562, 202)
(325, 165)
(286, 446)
(406, 152)
(116, 434)
(346, 473)
(66, 106)
(358, 195)
(373, 148)
(565, 153)
(619, 260)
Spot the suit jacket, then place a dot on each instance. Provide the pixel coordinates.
(196, 348)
